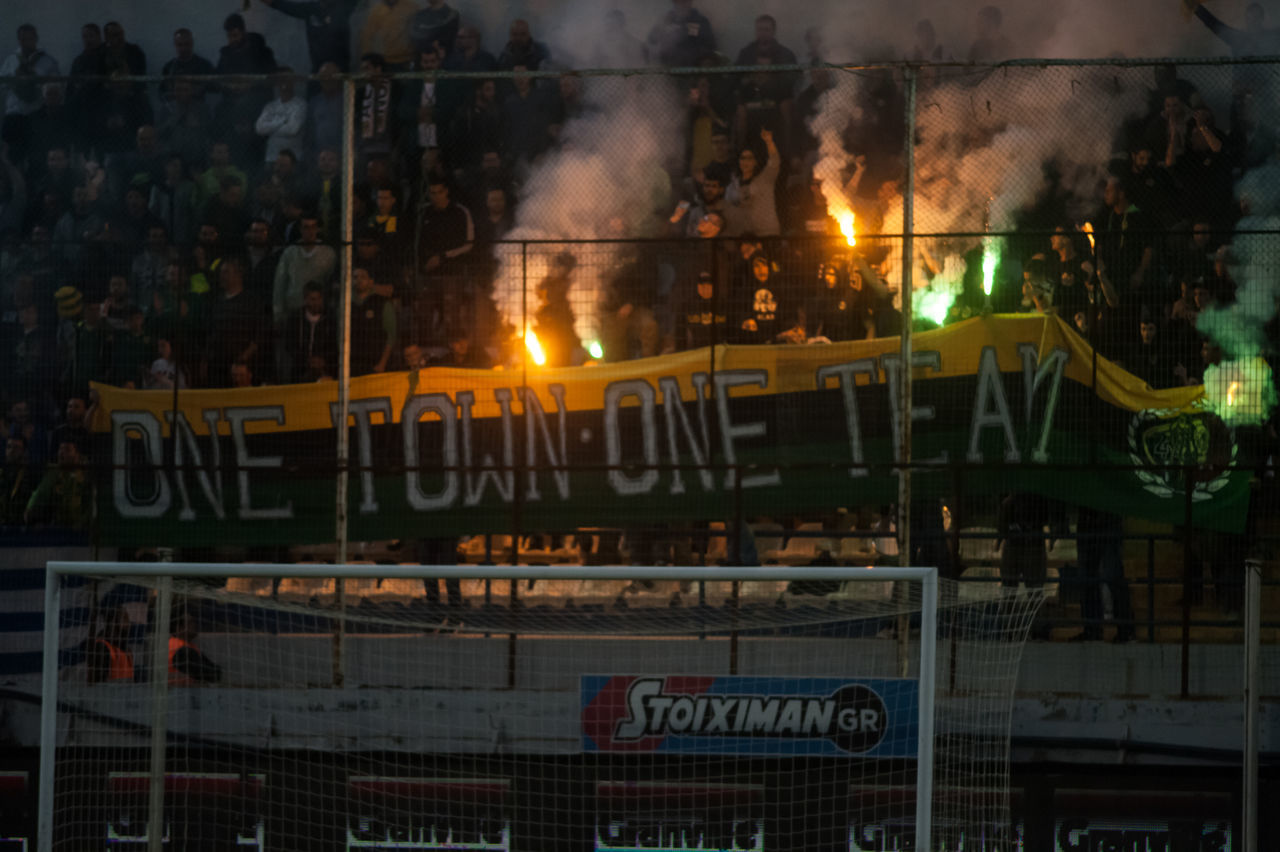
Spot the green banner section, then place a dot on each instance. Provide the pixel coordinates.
(1016, 400)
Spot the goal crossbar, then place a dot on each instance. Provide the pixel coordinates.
(926, 576)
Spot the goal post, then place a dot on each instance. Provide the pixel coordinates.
(755, 707)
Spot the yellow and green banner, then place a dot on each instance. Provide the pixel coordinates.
(999, 404)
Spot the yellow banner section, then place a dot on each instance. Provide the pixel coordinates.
(790, 369)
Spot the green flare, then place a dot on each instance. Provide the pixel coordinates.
(1242, 393)
(934, 304)
(989, 261)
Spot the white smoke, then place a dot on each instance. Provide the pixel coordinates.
(605, 182)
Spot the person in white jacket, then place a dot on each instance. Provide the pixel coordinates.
(283, 121)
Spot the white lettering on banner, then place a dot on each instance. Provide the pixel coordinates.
(892, 365)
(415, 408)
(505, 480)
(846, 377)
(186, 442)
(678, 419)
(729, 432)
(990, 391)
(535, 420)
(621, 483)
(237, 417)
(144, 428)
(653, 711)
(1032, 377)
(683, 438)
(360, 410)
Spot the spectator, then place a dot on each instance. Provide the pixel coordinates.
(373, 325)
(106, 658)
(525, 119)
(839, 311)
(554, 322)
(60, 176)
(77, 225)
(496, 219)
(1099, 547)
(263, 258)
(391, 232)
(142, 167)
(75, 427)
(1151, 359)
(132, 351)
(434, 28)
(1255, 39)
(187, 666)
(754, 303)
(448, 231)
(1123, 240)
(165, 371)
(415, 357)
(124, 110)
(227, 212)
(628, 322)
(242, 376)
(417, 109)
(522, 50)
(324, 111)
(63, 499)
(283, 120)
(991, 45)
(85, 95)
(309, 332)
(22, 100)
(236, 324)
(324, 192)
(387, 30)
(186, 123)
(683, 37)
(244, 53)
(1020, 531)
(1069, 270)
(476, 129)
(300, 264)
(119, 56)
(766, 45)
(186, 63)
(17, 481)
(173, 200)
(328, 25)
(751, 202)
(617, 47)
(703, 321)
(29, 351)
(764, 103)
(376, 108)
(91, 360)
(150, 267)
(210, 182)
(468, 55)
(118, 304)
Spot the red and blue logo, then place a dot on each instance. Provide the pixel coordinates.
(685, 714)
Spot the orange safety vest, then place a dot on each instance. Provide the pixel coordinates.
(121, 667)
(177, 678)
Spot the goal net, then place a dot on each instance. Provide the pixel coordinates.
(556, 708)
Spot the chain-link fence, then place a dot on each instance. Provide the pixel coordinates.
(1089, 251)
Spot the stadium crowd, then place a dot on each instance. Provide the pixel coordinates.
(186, 235)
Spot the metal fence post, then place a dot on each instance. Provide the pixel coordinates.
(1252, 641)
(344, 372)
(904, 399)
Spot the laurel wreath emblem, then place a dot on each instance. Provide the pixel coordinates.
(1159, 485)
